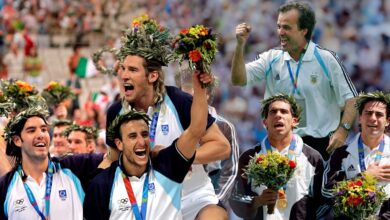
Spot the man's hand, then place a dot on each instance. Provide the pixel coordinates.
(111, 156)
(268, 197)
(242, 32)
(380, 172)
(337, 139)
(204, 78)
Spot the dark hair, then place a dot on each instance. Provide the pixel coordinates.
(294, 107)
(133, 115)
(377, 96)
(15, 127)
(307, 18)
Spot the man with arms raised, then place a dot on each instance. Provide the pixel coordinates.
(140, 187)
(313, 75)
(145, 50)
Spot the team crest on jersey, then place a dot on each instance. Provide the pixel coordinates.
(19, 205)
(151, 187)
(123, 204)
(277, 77)
(165, 129)
(62, 194)
(314, 78)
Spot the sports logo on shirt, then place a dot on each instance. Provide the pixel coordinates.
(314, 78)
(62, 194)
(19, 202)
(123, 204)
(277, 77)
(19, 205)
(165, 129)
(151, 187)
(351, 168)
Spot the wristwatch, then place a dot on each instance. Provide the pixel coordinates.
(346, 126)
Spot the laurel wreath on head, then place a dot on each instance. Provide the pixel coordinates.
(61, 122)
(14, 122)
(113, 131)
(144, 38)
(296, 109)
(86, 129)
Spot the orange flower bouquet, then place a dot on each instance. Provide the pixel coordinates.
(198, 45)
(18, 93)
(55, 93)
(272, 170)
(358, 198)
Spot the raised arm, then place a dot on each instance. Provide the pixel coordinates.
(189, 139)
(238, 64)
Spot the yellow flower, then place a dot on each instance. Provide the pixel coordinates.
(139, 20)
(194, 32)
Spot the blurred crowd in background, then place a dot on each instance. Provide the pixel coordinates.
(41, 39)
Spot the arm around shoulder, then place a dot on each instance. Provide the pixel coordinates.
(213, 146)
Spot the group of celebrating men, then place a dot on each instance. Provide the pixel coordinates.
(161, 139)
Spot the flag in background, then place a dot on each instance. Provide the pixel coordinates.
(85, 68)
(100, 99)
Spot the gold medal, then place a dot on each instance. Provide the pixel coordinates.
(281, 203)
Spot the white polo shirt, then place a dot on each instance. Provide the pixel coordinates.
(323, 88)
(66, 199)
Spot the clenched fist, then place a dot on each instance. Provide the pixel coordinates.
(242, 32)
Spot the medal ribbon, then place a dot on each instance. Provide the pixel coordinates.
(294, 82)
(290, 154)
(153, 125)
(133, 201)
(31, 197)
(291, 148)
(378, 156)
